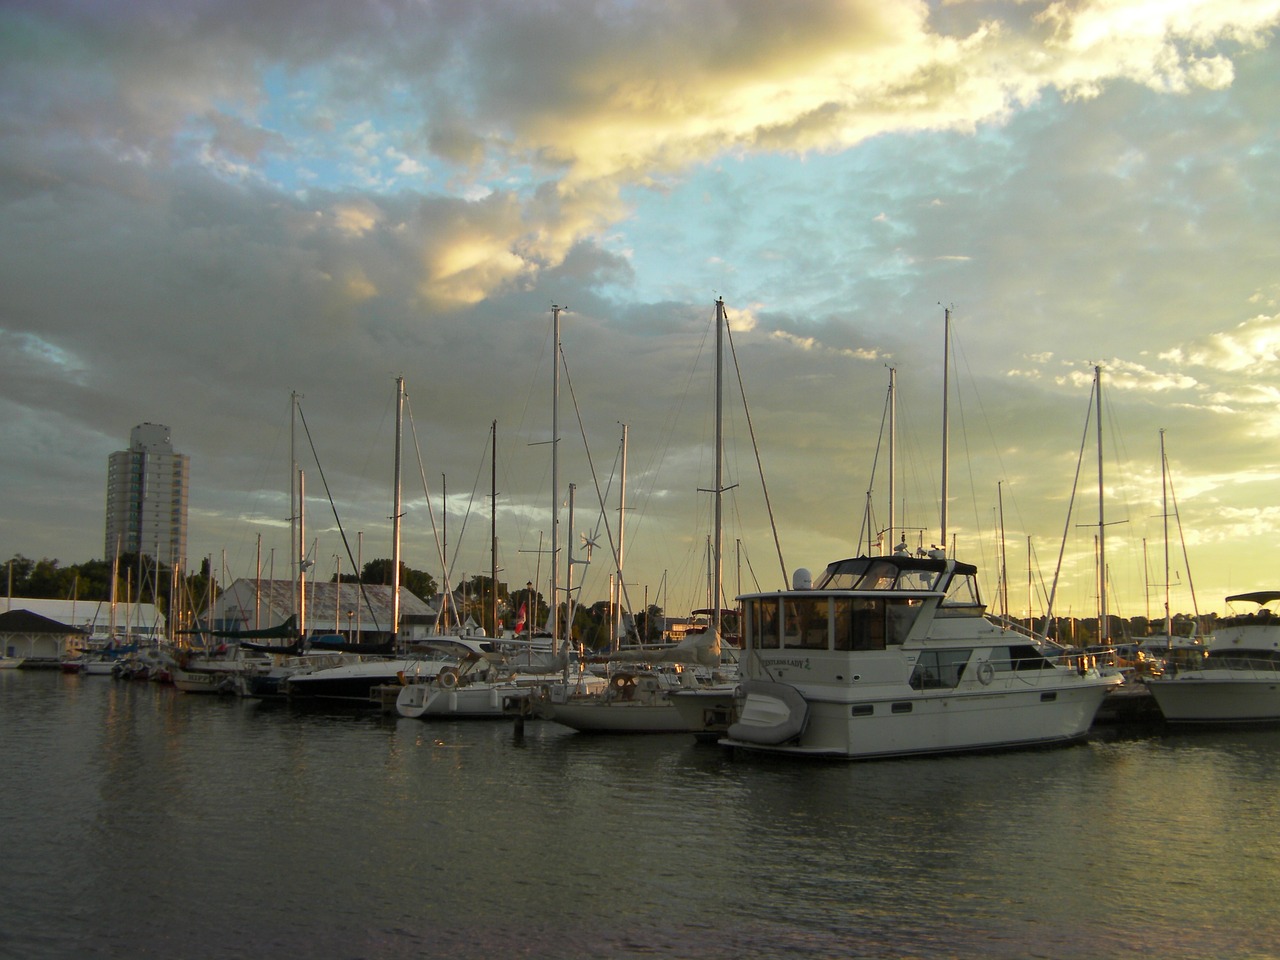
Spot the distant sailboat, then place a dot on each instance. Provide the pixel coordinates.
(353, 682)
(639, 698)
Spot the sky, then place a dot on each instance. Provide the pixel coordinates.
(207, 206)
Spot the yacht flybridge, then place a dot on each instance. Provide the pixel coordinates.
(893, 656)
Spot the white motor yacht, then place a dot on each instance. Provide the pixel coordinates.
(1238, 678)
(895, 656)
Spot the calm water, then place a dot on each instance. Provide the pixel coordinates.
(143, 822)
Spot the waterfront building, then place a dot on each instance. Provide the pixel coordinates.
(356, 613)
(147, 492)
(95, 618)
(37, 641)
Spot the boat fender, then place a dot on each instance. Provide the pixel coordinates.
(448, 679)
(986, 673)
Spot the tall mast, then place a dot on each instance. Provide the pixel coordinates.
(717, 560)
(300, 547)
(568, 573)
(946, 427)
(1104, 622)
(294, 559)
(395, 519)
(893, 441)
(493, 525)
(555, 473)
(1004, 566)
(622, 526)
(1164, 511)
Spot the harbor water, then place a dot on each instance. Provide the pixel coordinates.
(143, 822)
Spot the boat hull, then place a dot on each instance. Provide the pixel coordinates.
(1226, 699)
(707, 711)
(597, 715)
(478, 701)
(204, 681)
(914, 725)
(353, 684)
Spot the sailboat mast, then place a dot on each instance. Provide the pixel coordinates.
(493, 524)
(568, 573)
(893, 441)
(1004, 567)
(301, 583)
(946, 423)
(555, 474)
(395, 519)
(622, 505)
(294, 559)
(717, 559)
(1104, 622)
(1164, 512)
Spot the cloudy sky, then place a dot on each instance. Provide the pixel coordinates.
(206, 206)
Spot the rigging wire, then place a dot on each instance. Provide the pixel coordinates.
(338, 520)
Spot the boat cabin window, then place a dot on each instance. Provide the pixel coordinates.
(830, 623)
(874, 573)
(860, 623)
(939, 669)
(962, 596)
(1019, 656)
(805, 624)
(1268, 660)
(760, 618)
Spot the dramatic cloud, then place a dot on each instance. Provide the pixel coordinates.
(208, 205)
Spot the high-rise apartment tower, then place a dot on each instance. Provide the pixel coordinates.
(147, 497)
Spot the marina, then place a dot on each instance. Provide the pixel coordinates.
(152, 823)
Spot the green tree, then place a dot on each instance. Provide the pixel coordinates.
(418, 582)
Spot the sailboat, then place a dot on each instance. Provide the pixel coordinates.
(894, 656)
(354, 681)
(486, 677)
(644, 681)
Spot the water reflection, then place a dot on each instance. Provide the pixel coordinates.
(163, 824)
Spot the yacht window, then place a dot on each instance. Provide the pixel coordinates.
(842, 624)
(879, 576)
(762, 623)
(1021, 656)
(918, 580)
(939, 669)
(806, 625)
(962, 592)
(868, 624)
(1244, 659)
(902, 617)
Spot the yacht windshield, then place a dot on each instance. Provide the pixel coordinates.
(881, 573)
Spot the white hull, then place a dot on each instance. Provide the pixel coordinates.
(10, 663)
(476, 700)
(204, 681)
(706, 711)
(1238, 681)
(1228, 696)
(960, 721)
(484, 699)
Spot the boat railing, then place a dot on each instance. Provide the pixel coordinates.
(1260, 664)
(1013, 625)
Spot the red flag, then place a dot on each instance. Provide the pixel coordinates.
(520, 619)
